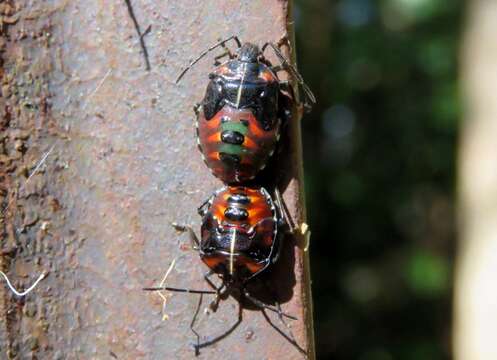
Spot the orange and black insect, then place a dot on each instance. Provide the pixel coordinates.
(239, 233)
(245, 103)
(240, 238)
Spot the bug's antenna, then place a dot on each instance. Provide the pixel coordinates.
(309, 98)
(191, 291)
(221, 43)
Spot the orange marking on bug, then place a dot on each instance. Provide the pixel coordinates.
(213, 123)
(256, 214)
(219, 211)
(215, 138)
(213, 155)
(223, 69)
(212, 261)
(256, 130)
(267, 75)
(253, 266)
(225, 196)
(250, 144)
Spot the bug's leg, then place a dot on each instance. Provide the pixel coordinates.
(272, 291)
(309, 98)
(301, 232)
(227, 52)
(285, 86)
(226, 333)
(290, 338)
(202, 209)
(192, 324)
(289, 335)
(215, 303)
(285, 41)
(191, 234)
(220, 56)
(286, 102)
(283, 213)
(261, 305)
(196, 108)
(220, 43)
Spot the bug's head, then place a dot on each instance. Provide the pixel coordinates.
(249, 53)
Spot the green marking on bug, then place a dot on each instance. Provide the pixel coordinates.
(233, 149)
(235, 126)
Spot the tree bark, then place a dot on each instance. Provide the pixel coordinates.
(120, 165)
(476, 290)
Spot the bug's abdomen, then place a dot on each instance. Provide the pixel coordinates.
(241, 206)
(234, 145)
(239, 232)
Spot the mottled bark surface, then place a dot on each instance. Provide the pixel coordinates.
(124, 164)
(476, 290)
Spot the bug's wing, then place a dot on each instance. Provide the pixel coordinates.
(212, 99)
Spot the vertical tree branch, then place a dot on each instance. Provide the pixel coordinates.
(97, 213)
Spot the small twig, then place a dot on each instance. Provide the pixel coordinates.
(146, 32)
(163, 296)
(140, 34)
(28, 290)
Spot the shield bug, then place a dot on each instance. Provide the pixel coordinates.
(239, 233)
(245, 104)
(240, 238)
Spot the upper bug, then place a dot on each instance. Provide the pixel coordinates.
(239, 119)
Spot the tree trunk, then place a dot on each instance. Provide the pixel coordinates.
(476, 290)
(98, 158)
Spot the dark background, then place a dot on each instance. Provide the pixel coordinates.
(379, 152)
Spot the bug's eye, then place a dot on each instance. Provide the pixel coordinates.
(245, 122)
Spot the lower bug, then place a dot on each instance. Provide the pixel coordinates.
(239, 233)
(240, 238)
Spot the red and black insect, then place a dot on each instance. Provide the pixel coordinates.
(239, 233)
(239, 239)
(239, 120)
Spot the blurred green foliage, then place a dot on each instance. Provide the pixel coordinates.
(379, 153)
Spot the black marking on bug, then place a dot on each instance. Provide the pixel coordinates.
(232, 137)
(239, 199)
(230, 159)
(236, 214)
(249, 53)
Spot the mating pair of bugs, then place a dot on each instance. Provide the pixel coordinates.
(238, 126)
